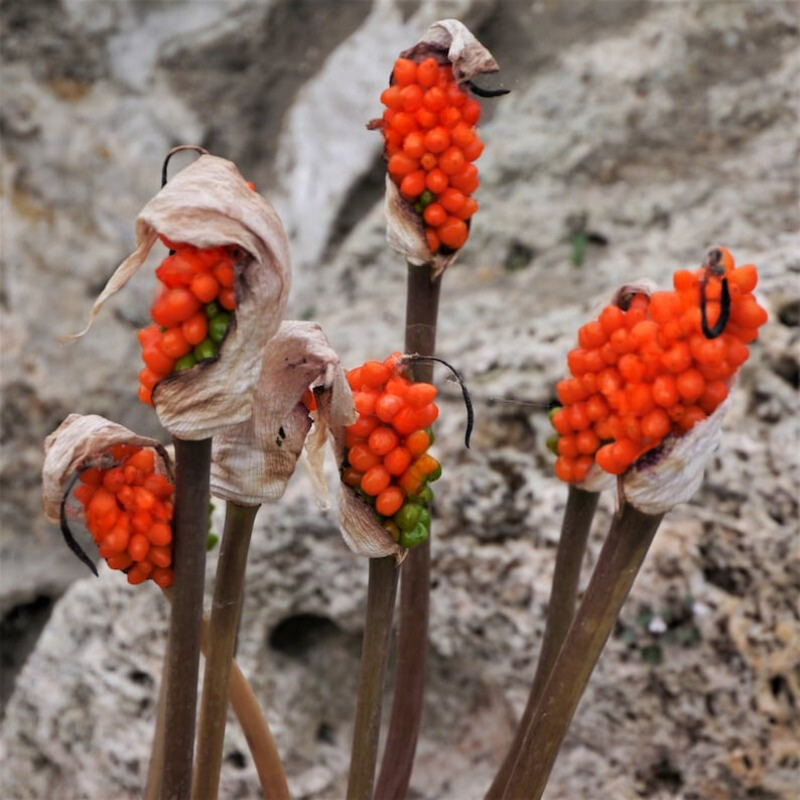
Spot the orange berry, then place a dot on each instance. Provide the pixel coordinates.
(714, 393)
(631, 368)
(578, 419)
(227, 299)
(471, 111)
(452, 200)
(677, 358)
(691, 416)
(435, 99)
(413, 184)
(401, 165)
(745, 278)
(404, 72)
(414, 145)
(665, 391)
(436, 181)
(391, 98)
(365, 401)
(449, 116)
(412, 97)
(174, 344)
(387, 405)
(690, 385)
(451, 161)
(427, 73)
(159, 534)
(568, 447)
(122, 561)
(410, 482)
(466, 179)
(432, 240)
(560, 421)
(421, 394)
(397, 460)
(160, 556)
(611, 319)
(564, 469)
(473, 150)
(468, 209)
(138, 547)
(382, 441)
(435, 215)
(425, 465)
(591, 336)
(581, 467)
(204, 287)
(351, 476)
(164, 578)
(453, 233)
(389, 501)
(596, 407)
(363, 426)
(406, 421)
(640, 398)
(747, 313)
(426, 415)
(374, 374)
(375, 480)
(418, 442)
(362, 458)
(655, 425)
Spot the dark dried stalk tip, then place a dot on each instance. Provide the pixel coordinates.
(480, 92)
(724, 312)
(178, 149)
(67, 533)
(410, 359)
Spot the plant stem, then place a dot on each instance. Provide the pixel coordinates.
(422, 308)
(254, 725)
(575, 527)
(156, 767)
(383, 574)
(619, 562)
(225, 610)
(190, 530)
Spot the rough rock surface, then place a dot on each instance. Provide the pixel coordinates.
(657, 129)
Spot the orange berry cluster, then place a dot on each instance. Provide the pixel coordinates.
(648, 370)
(191, 314)
(431, 142)
(388, 462)
(128, 510)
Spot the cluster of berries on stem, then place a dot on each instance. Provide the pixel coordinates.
(430, 143)
(387, 461)
(127, 507)
(658, 366)
(192, 313)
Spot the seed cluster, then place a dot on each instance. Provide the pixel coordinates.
(431, 142)
(128, 510)
(191, 314)
(388, 462)
(648, 370)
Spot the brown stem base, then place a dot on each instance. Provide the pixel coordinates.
(619, 562)
(578, 516)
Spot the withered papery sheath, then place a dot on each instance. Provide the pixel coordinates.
(253, 461)
(448, 41)
(80, 442)
(209, 204)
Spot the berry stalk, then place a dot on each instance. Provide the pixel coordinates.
(383, 574)
(192, 468)
(422, 309)
(225, 610)
(623, 553)
(575, 527)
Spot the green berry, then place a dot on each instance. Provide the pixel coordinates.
(408, 516)
(432, 435)
(552, 412)
(424, 496)
(436, 474)
(417, 535)
(392, 529)
(205, 350)
(212, 309)
(418, 208)
(552, 443)
(426, 198)
(425, 518)
(187, 362)
(218, 327)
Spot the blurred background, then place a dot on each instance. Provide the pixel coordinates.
(637, 135)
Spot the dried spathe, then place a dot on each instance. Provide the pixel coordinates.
(209, 205)
(650, 369)
(431, 143)
(124, 492)
(253, 461)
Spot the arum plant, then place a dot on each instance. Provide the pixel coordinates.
(251, 465)
(101, 473)
(431, 144)
(645, 402)
(229, 261)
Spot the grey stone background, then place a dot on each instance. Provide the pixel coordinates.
(659, 128)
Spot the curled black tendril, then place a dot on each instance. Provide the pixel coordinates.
(410, 359)
(481, 92)
(178, 149)
(67, 533)
(713, 266)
